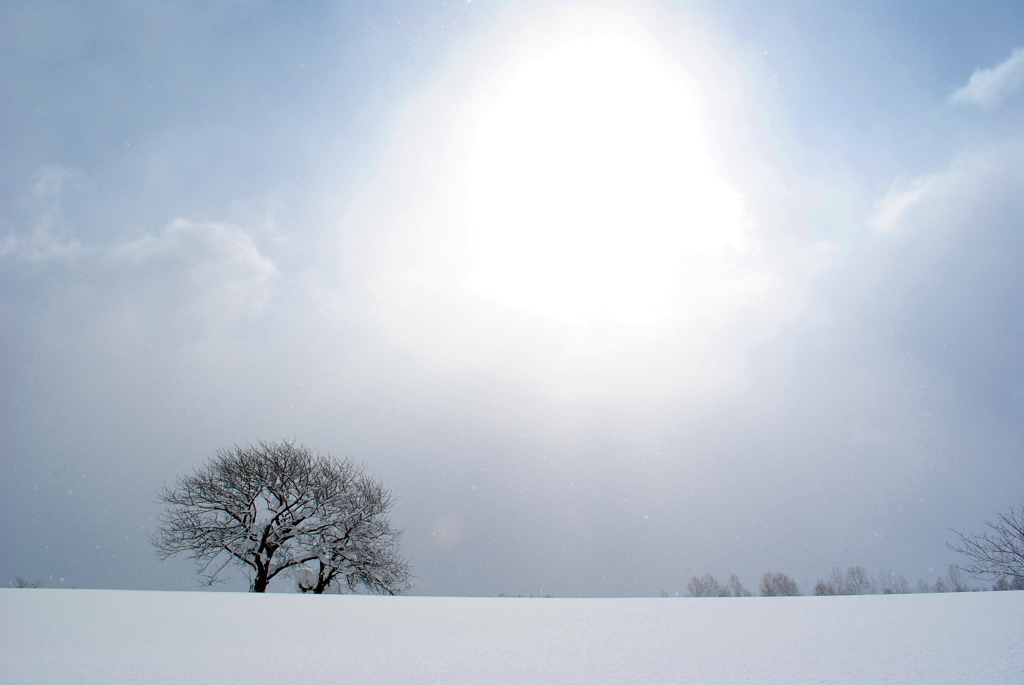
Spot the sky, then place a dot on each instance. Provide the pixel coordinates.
(608, 294)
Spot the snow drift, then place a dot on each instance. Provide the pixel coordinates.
(106, 636)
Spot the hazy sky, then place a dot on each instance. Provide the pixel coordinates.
(608, 294)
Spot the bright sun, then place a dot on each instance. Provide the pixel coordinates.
(591, 193)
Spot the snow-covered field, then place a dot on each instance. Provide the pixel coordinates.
(105, 636)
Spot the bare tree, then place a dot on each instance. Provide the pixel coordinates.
(833, 585)
(858, 582)
(778, 585)
(891, 584)
(899, 587)
(997, 553)
(734, 588)
(704, 586)
(20, 582)
(955, 579)
(275, 507)
(855, 581)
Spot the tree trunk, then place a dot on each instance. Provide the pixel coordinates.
(323, 579)
(260, 582)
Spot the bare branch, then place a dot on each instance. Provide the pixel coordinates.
(998, 552)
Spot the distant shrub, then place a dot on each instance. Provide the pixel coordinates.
(20, 582)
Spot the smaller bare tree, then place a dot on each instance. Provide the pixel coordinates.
(998, 552)
(778, 585)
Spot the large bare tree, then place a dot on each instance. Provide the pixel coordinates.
(998, 552)
(275, 508)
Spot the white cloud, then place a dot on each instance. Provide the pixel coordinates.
(976, 183)
(890, 210)
(46, 198)
(208, 249)
(988, 87)
(211, 274)
(217, 262)
(42, 245)
(207, 254)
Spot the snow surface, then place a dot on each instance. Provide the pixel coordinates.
(109, 636)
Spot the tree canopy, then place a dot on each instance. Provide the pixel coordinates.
(279, 508)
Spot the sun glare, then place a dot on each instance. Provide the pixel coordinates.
(591, 192)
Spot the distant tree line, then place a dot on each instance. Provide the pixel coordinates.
(857, 581)
(996, 554)
(854, 581)
(772, 585)
(707, 586)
